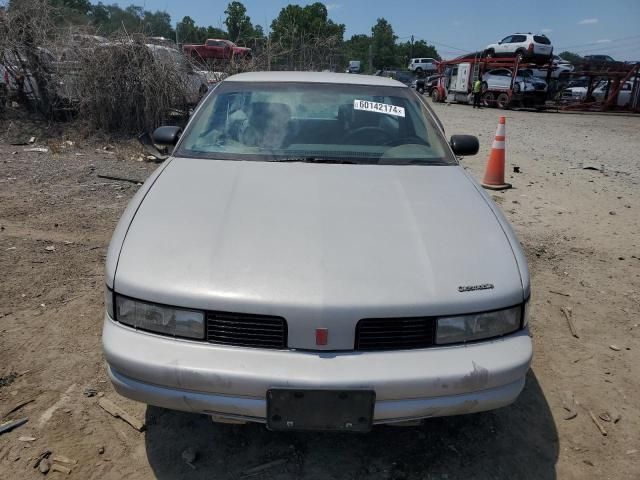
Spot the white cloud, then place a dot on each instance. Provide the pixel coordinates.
(604, 40)
(588, 21)
(546, 30)
(333, 6)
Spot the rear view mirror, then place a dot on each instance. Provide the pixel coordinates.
(168, 135)
(464, 144)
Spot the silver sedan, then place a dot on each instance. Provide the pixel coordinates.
(312, 256)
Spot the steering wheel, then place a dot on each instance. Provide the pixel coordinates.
(408, 139)
(367, 130)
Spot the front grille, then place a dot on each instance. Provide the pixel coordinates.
(395, 333)
(246, 330)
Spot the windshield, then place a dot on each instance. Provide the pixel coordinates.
(314, 122)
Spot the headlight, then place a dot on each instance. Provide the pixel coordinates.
(467, 328)
(177, 322)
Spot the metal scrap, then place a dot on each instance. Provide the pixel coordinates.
(8, 426)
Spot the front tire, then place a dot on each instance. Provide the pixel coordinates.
(520, 55)
(489, 54)
(489, 99)
(503, 101)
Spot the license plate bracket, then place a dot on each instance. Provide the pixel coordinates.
(290, 409)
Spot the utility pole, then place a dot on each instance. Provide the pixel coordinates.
(411, 46)
(370, 58)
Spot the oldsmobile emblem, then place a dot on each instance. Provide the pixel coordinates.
(473, 288)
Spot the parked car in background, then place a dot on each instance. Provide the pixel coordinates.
(431, 83)
(211, 78)
(216, 49)
(600, 62)
(560, 67)
(601, 93)
(404, 77)
(196, 82)
(576, 90)
(500, 78)
(598, 59)
(386, 286)
(354, 66)
(426, 85)
(423, 65)
(526, 46)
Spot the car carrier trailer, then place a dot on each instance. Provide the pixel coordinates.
(459, 75)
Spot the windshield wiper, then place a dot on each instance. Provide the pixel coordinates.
(312, 160)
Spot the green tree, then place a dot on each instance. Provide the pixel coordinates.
(384, 44)
(295, 23)
(357, 48)
(79, 6)
(158, 24)
(187, 31)
(420, 49)
(304, 38)
(571, 57)
(239, 27)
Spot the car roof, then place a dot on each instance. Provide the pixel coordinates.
(315, 77)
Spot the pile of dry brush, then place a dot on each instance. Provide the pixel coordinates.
(123, 84)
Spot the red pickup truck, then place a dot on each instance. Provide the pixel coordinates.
(216, 49)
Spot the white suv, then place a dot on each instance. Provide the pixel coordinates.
(419, 65)
(522, 45)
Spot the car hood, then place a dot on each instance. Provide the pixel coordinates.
(322, 245)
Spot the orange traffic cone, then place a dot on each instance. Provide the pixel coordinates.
(494, 174)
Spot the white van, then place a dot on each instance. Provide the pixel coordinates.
(419, 65)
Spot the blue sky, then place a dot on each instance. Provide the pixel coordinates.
(587, 26)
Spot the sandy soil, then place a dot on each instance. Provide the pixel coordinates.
(580, 229)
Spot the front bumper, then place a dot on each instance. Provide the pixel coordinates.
(232, 382)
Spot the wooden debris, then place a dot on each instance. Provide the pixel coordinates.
(26, 439)
(64, 460)
(118, 412)
(567, 314)
(7, 427)
(56, 467)
(615, 348)
(264, 466)
(597, 423)
(570, 415)
(560, 293)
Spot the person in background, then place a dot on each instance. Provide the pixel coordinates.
(477, 92)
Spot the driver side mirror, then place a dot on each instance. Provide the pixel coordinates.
(168, 135)
(464, 144)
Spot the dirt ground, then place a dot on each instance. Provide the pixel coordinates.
(579, 227)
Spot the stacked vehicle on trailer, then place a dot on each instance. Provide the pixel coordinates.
(510, 71)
